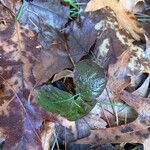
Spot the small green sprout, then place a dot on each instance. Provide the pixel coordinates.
(19, 14)
(74, 8)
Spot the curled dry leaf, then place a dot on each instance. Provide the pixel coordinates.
(62, 74)
(47, 135)
(133, 5)
(125, 20)
(143, 89)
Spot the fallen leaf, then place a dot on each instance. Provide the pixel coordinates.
(62, 74)
(45, 19)
(47, 135)
(135, 6)
(89, 79)
(123, 18)
(79, 35)
(10, 4)
(118, 74)
(7, 23)
(143, 89)
(139, 62)
(111, 41)
(135, 132)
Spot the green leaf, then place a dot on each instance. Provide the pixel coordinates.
(90, 82)
(89, 78)
(63, 103)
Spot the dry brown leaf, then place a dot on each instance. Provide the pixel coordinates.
(112, 42)
(62, 74)
(133, 5)
(47, 135)
(125, 20)
(139, 61)
(118, 74)
(135, 132)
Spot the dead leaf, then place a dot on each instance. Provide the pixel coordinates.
(135, 132)
(147, 51)
(62, 74)
(123, 18)
(133, 5)
(45, 19)
(143, 89)
(10, 4)
(118, 74)
(21, 119)
(139, 62)
(112, 42)
(47, 135)
(79, 36)
(6, 23)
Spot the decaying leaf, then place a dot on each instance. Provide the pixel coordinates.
(143, 89)
(133, 5)
(123, 18)
(62, 74)
(79, 38)
(47, 135)
(135, 132)
(45, 19)
(118, 74)
(23, 65)
(112, 42)
(139, 62)
(6, 23)
(10, 4)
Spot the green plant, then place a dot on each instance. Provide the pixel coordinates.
(74, 8)
(19, 14)
(89, 80)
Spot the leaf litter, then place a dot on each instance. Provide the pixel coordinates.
(44, 42)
